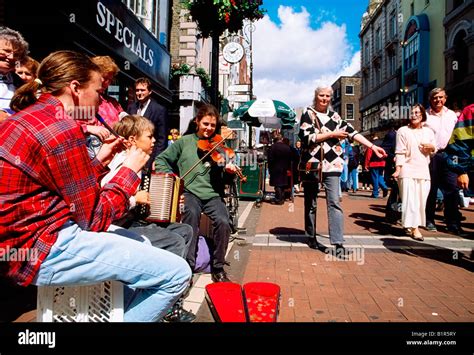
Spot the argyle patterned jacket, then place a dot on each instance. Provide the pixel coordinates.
(333, 161)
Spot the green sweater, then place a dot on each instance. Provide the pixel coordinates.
(205, 181)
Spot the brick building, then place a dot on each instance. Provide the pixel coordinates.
(346, 99)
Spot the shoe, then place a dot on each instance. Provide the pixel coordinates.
(341, 252)
(407, 231)
(178, 314)
(313, 244)
(385, 193)
(220, 276)
(430, 227)
(416, 235)
(457, 230)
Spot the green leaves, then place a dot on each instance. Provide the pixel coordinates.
(216, 16)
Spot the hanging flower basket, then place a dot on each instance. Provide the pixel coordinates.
(213, 17)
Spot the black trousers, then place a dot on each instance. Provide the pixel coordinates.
(216, 210)
(446, 180)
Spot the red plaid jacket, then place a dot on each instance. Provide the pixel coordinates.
(47, 179)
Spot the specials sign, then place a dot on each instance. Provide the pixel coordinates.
(111, 23)
(123, 34)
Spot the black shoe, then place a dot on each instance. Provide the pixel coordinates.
(179, 316)
(341, 252)
(457, 230)
(430, 227)
(220, 276)
(313, 244)
(385, 193)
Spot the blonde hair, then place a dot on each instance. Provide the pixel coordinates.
(106, 65)
(133, 125)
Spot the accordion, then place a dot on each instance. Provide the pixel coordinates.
(165, 190)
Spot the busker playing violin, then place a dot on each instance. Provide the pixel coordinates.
(203, 185)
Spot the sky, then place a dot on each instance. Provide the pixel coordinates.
(301, 44)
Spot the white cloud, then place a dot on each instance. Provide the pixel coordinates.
(292, 59)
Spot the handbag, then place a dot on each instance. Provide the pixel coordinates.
(305, 168)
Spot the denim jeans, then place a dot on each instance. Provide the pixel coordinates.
(354, 178)
(79, 257)
(377, 180)
(335, 213)
(216, 210)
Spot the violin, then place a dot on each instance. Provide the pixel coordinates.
(218, 152)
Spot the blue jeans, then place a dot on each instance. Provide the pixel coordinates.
(79, 257)
(354, 178)
(377, 180)
(335, 213)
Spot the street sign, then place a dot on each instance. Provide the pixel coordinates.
(238, 98)
(239, 88)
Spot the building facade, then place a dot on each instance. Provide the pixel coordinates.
(423, 44)
(346, 99)
(459, 52)
(380, 64)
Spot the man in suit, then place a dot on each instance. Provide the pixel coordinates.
(147, 107)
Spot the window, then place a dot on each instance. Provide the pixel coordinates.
(392, 62)
(349, 89)
(366, 52)
(365, 84)
(411, 53)
(378, 40)
(349, 111)
(378, 74)
(393, 25)
(154, 16)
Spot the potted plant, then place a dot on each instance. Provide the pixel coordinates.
(213, 17)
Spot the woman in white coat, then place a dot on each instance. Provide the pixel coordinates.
(415, 145)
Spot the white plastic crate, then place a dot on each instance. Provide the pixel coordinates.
(93, 303)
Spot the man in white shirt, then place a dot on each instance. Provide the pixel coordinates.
(442, 121)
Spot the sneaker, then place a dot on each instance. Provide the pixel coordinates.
(430, 227)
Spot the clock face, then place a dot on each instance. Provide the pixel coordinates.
(233, 52)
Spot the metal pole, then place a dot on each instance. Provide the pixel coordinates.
(251, 29)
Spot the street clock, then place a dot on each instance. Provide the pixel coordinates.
(233, 52)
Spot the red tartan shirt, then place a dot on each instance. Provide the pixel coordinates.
(47, 179)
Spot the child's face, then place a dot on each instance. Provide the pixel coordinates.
(145, 141)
